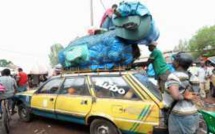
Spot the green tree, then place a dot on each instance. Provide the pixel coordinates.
(203, 42)
(5, 63)
(182, 46)
(53, 56)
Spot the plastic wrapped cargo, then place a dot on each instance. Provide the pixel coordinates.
(96, 52)
(132, 27)
(135, 23)
(153, 35)
(126, 9)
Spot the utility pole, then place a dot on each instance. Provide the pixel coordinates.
(91, 12)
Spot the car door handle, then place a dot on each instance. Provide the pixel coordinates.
(51, 99)
(121, 109)
(84, 102)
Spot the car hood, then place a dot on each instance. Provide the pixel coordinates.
(28, 93)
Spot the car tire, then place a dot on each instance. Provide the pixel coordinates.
(101, 126)
(24, 113)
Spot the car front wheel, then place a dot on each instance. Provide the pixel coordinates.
(24, 113)
(101, 126)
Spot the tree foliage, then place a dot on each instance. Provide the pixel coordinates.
(203, 42)
(182, 46)
(53, 56)
(5, 63)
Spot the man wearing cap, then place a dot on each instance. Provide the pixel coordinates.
(159, 64)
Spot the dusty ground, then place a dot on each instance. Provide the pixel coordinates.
(41, 125)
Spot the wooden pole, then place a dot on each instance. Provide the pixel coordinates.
(91, 12)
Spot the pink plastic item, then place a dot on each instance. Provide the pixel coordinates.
(2, 88)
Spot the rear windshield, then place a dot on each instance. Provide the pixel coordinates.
(148, 84)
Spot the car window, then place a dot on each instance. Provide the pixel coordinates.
(149, 85)
(113, 87)
(52, 86)
(75, 86)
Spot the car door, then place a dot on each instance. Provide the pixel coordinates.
(74, 101)
(117, 100)
(43, 101)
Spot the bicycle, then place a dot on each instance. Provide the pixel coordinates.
(6, 117)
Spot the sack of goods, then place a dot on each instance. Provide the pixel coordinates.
(96, 52)
(133, 25)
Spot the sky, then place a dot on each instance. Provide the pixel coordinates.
(29, 27)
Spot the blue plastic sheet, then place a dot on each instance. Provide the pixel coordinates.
(132, 8)
(151, 72)
(108, 24)
(136, 8)
(153, 35)
(104, 51)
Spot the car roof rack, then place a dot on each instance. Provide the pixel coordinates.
(77, 70)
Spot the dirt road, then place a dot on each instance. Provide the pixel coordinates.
(41, 125)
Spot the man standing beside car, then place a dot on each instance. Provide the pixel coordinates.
(160, 66)
(22, 80)
(179, 98)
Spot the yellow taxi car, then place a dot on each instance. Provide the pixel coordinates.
(110, 103)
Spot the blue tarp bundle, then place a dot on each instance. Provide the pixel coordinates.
(128, 9)
(151, 71)
(96, 51)
(132, 8)
(153, 35)
(112, 48)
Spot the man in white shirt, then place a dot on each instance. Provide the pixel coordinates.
(193, 69)
(203, 79)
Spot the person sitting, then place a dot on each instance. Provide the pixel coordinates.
(129, 94)
(106, 21)
(71, 91)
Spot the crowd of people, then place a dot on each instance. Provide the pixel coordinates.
(206, 75)
(12, 84)
(181, 96)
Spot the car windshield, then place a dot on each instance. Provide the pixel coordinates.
(149, 85)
